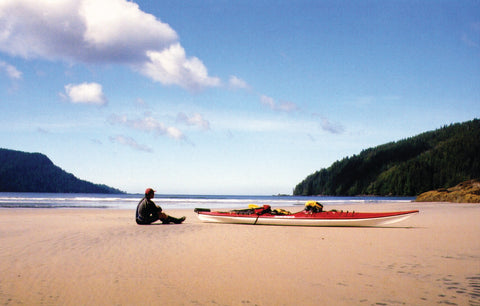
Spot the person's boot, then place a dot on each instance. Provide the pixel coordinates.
(171, 219)
(179, 220)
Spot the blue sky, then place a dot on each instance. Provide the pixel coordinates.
(229, 97)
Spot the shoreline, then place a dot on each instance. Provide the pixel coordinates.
(171, 202)
(100, 256)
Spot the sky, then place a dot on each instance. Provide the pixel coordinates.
(229, 97)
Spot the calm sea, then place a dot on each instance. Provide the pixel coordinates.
(130, 201)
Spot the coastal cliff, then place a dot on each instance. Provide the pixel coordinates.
(465, 192)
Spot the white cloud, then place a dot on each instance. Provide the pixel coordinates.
(268, 101)
(237, 83)
(171, 67)
(130, 142)
(284, 106)
(174, 132)
(118, 25)
(195, 120)
(140, 102)
(287, 106)
(334, 128)
(147, 124)
(327, 125)
(106, 31)
(10, 70)
(43, 131)
(245, 123)
(81, 30)
(85, 93)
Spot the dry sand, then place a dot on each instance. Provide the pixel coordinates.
(101, 257)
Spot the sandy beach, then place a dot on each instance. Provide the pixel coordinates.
(101, 257)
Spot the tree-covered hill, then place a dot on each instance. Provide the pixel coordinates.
(35, 172)
(436, 159)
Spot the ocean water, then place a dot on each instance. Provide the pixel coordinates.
(130, 201)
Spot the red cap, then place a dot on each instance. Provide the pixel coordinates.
(149, 190)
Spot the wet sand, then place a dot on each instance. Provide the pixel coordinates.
(101, 257)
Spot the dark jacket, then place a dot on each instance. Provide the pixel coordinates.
(147, 211)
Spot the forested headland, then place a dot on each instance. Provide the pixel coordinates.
(35, 172)
(437, 159)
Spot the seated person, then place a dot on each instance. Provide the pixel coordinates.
(148, 212)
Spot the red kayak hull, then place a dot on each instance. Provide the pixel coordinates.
(303, 218)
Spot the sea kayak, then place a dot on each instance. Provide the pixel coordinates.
(304, 218)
